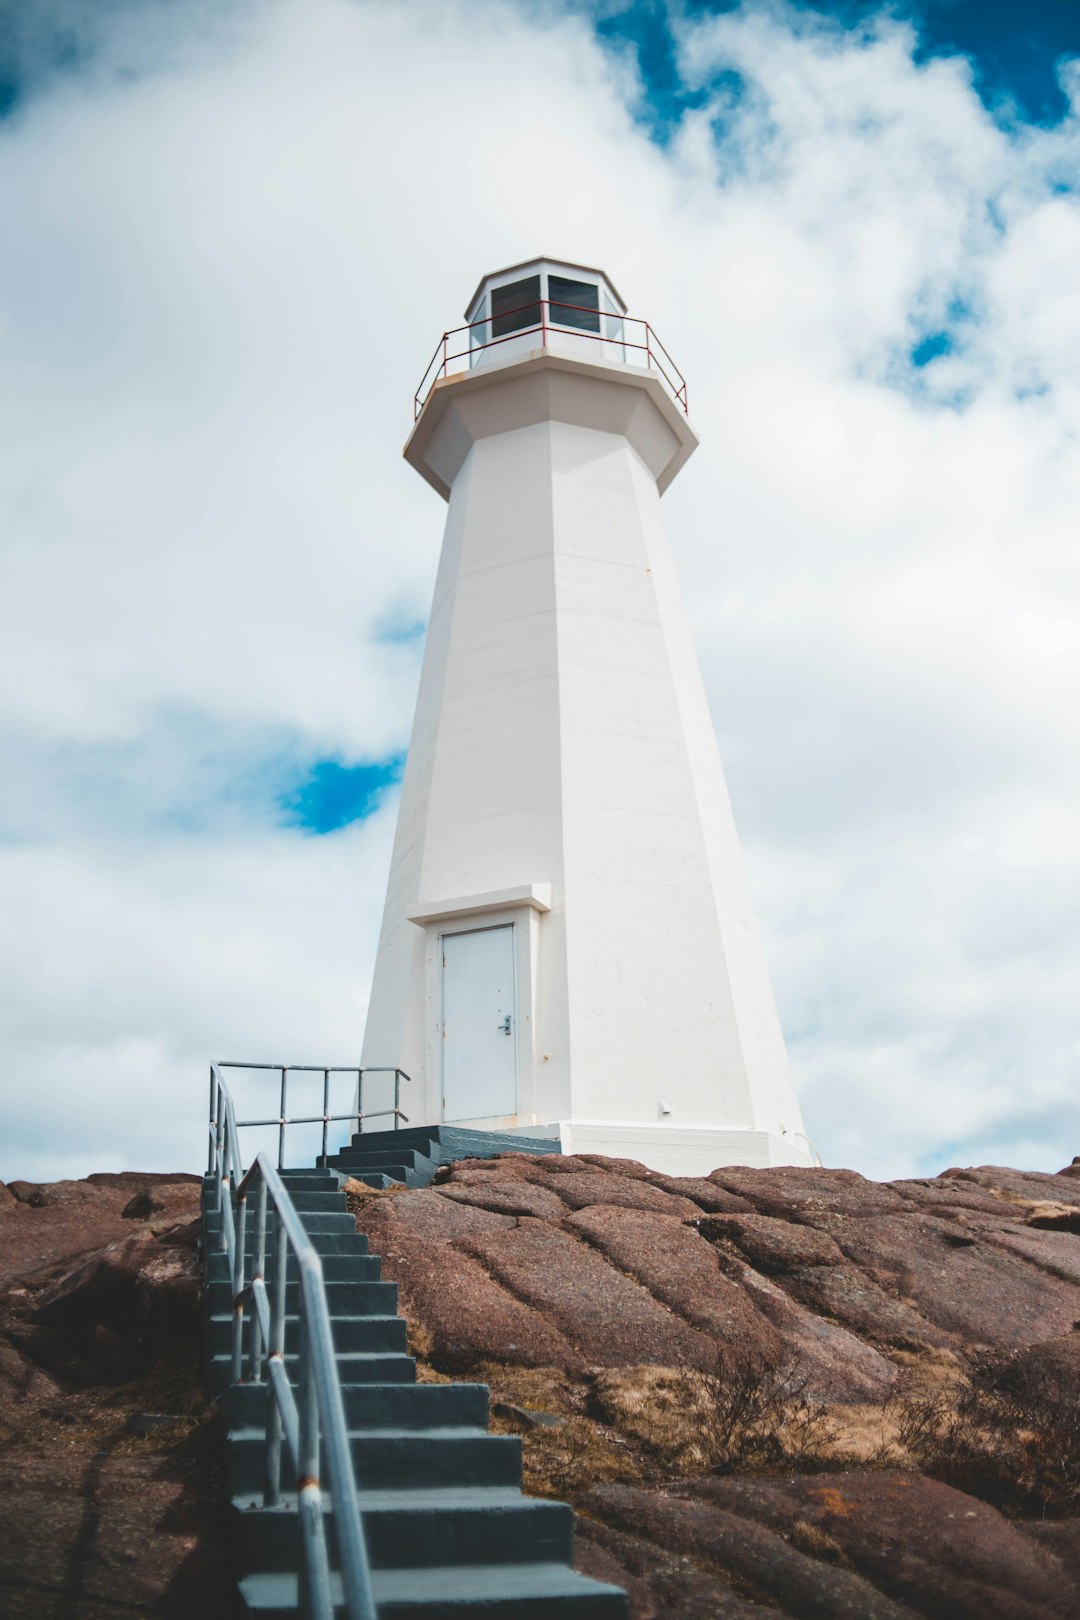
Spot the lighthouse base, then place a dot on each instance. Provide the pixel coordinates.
(673, 1150)
(683, 1150)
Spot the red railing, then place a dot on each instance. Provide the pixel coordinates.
(449, 358)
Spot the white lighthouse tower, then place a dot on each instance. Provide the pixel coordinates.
(568, 944)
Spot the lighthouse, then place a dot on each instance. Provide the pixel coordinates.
(568, 947)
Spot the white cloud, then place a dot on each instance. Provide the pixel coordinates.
(223, 273)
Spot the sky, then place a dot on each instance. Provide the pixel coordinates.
(233, 233)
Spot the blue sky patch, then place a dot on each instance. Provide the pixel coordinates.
(1015, 51)
(931, 347)
(334, 795)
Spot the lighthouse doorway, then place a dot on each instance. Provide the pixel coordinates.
(479, 1024)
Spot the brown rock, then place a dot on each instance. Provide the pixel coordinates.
(754, 1554)
(679, 1268)
(508, 1198)
(128, 1305)
(1021, 1186)
(837, 1366)
(61, 1224)
(772, 1245)
(466, 1174)
(948, 1555)
(471, 1317)
(940, 1196)
(610, 1320)
(958, 1281)
(1053, 1251)
(794, 1194)
(853, 1299)
(424, 1214)
(581, 1188)
(56, 1194)
(662, 1584)
(705, 1193)
(164, 1202)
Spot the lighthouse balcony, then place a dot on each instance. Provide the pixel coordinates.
(554, 308)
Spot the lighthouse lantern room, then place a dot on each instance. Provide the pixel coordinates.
(568, 946)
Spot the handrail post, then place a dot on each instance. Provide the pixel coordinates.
(238, 1267)
(397, 1098)
(258, 1349)
(315, 1595)
(212, 1132)
(281, 1119)
(359, 1102)
(221, 1160)
(325, 1108)
(272, 1488)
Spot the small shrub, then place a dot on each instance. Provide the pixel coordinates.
(1008, 1430)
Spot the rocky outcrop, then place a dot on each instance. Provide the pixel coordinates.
(751, 1384)
(112, 1484)
(640, 1310)
(629, 1267)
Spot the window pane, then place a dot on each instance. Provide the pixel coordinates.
(574, 303)
(515, 306)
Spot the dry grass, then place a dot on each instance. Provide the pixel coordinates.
(747, 1413)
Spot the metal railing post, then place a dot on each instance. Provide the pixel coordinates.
(325, 1108)
(315, 1583)
(212, 1132)
(282, 1119)
(238, 1283)
(397, 1098)
(277, 1351)
(258, 1349)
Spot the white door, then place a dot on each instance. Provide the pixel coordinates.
(479, 1035)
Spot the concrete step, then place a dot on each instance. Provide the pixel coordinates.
(378, 1330)
(354, 1367)
(356, 1267)
(394, 1459)
(376, 1158)
(409, 1136)
(421, 1528)
(380, 1406)
(402, 1174)
(315, 1222)
(321, 1183)
(499, 1592)
(342, 1243)
(346, 1298)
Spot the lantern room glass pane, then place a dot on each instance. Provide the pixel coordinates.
(515, 307)
(574, 303)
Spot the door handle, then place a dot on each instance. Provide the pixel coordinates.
(504, 1027)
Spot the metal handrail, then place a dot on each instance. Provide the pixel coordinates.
(326, 1118)
(649, 344)
(318, 1421)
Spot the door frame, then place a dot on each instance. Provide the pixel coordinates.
(525, 924)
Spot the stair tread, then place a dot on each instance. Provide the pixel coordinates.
(449, 1583)
(395, 1431)
(336, 1316)
(422, 1499)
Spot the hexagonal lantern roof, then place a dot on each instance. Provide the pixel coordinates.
(575, 291)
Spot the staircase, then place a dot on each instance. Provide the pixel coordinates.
(449, 1533)
(381, 1158)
